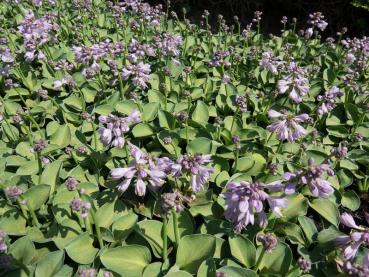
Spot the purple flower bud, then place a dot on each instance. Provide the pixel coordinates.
(71, 183)
(304, 265)
(269, 241)
(39, 145)
(13, 192)
(88, 272)
(167, 140)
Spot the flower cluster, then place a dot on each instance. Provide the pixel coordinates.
(295, 83)
(194, 166)
(77, 205)
(116, 127)
(35, 32)
(139, 74)
(287, 126)
(245, 201)
(327, 101)
(313, 178)
(143, 169)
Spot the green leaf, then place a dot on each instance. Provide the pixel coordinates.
(190, 260)
(207, 268)
(350, 200)
(128, 261)
(152, 270)
(179, 273)
(166, 120)
(50, 264)
(308, 227)
(326, 209)
(126, 107)
(297, 205)
(200, 146)
(123, 226)
(13, 224)
(36, 196)
(28, 168)
(106, 214)
(142, 130)
(23, 250)
(233, 271)
(150, 111)
(81, 249)
(185, 225)
(50, 175)
(151, 231)
(201, 113)
(243, 250)
(276, 262)
(61, 137)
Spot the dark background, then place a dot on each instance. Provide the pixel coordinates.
(339, 13)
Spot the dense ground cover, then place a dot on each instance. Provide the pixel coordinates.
(137, 144)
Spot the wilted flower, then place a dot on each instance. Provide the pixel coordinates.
(194, 166)
(287, 126)
(39, 145)
(143, 169)
(116, 127)
(13, 192)
(139, 72)
(295, 83)
(351, 243)
(269, 241)
(246, 200)
(172, 200)
(241, 103)
(313, 178)
(78, 205)
(327, 101)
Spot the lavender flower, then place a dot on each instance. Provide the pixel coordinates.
(313, 178)
(352, 269)
(3, 246)
(13, 192)
(287, 126)
(193, 165)
(139, 72)
(317, 20)
(295, 83)
(88, 272)
(78, 205)
(270, 63)
(143, 169)
(169, 44)
(327, 101)
(113, 134)
(245, 201)
(219, 59)
(35, 32)
(304, 265)
(6, 56)
(351, 243)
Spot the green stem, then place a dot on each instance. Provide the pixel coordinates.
(97, 227)
(165, 238)
(175, 226)
(234, 118)
(33, 216)
(235, 160)
(94, 134)
(87, 225)
(24, 212)
(39, 167)
(260, 259)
